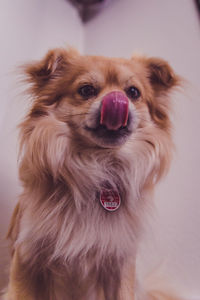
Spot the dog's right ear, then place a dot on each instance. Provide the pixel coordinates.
(51, 67)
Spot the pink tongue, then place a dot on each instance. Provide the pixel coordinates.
(114, 111)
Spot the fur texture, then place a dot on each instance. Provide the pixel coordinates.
(65, 245)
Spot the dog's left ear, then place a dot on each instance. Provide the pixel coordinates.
(163, 80)
(161, 75)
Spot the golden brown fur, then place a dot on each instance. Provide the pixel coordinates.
(65, 245)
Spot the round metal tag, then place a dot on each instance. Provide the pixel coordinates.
(110, 199)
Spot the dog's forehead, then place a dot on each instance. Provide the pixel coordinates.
(111, 70)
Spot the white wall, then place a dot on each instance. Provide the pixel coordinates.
(169, 29)
(28, 28)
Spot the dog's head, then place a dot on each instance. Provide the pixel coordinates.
(114, 105)
(103, 100)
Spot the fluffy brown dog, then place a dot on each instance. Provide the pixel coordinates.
(94, 144)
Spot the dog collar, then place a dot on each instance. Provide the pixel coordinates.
(110, 199)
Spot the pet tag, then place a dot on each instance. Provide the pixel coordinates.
(110, 199)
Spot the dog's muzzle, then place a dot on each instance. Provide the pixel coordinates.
(114, 110)
(112, 121)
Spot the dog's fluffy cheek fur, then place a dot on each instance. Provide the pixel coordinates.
(150, 149)
(45, 151)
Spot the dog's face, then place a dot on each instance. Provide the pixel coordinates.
(104, 101)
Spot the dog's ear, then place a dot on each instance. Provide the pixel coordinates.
(51, 67)
(161, 75)
(163, 80)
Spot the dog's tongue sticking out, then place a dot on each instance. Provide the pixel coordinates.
(114, 110)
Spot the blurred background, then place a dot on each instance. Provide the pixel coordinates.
(168, 29)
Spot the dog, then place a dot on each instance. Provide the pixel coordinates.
(94, 143)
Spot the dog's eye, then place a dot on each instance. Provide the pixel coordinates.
(133, 93)
(87, 91)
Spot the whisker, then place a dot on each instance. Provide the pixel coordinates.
(142, 119)
(74, 115)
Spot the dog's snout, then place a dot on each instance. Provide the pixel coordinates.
(114, 110)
